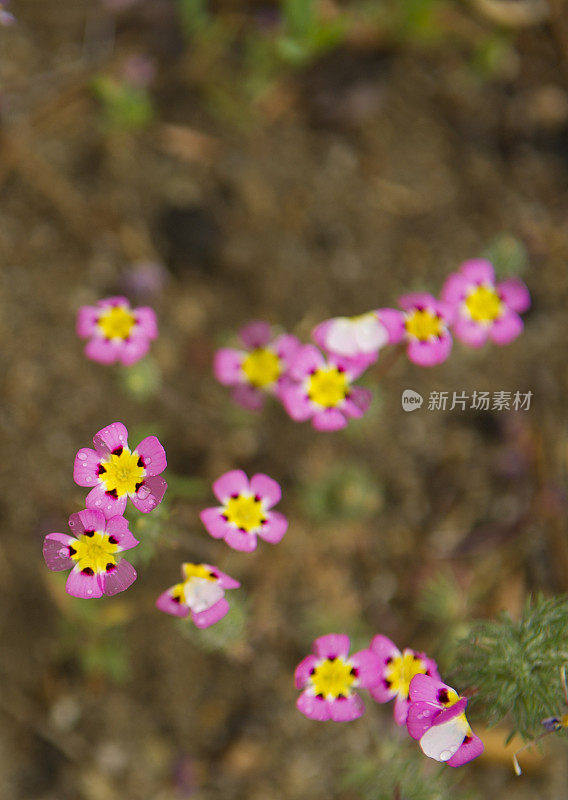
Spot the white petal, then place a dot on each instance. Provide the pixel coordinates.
(370, 334)
(341, 337)
(442, 741)
(201, 593)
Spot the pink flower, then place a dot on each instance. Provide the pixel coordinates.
(329, 677)
(260, 369)
(92, 554)
(396, 672)
(245, 511)
(116, 332)
(202, 592)
(436, 718)
(359, 337)
(117, 473)
(424, 325)
(485, 309)
(323, 390)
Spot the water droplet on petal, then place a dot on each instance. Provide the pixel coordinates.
(445, 755)
(82, 456)
(143, 492)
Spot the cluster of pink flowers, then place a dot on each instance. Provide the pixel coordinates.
(317, 386)
(245, 513)
(433, 712)
(100, 533)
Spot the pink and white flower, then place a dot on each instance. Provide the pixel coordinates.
(116, 473)
(116, 332)
(483, 308)
(323, 390)
(245, 511)
(330, 676)
(436, 718)
(359, 337)
(201, 594)
(396, 673)
(92, 554)
(260, 368)
(424, 325)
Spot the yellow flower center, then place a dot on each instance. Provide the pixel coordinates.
(261, 367)
(483, 304)
(423, 325)
(247, 513)
(196, 571)
(402, 670)
(116, 323)
(328, 387)
(332, 678)
(122, 472)
(94, 551)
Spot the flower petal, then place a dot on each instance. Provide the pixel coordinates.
(296, 402)
(423, 687)
(166, 603)
(85, 468)
(150, 494)
(393, 321)
(515, 294)
(313, 707)
(132, 350)
(417, 300)
(478, 270)
(369, 668)
(87, 317)
(90, 520)
(215, 523)
(451, 712)
(110, 438)
(274, 528)
(146, 323)
(203, 619)
(233, 482)
(227, 366)
(307, 359)
(56, 551)
(286, 347)
(401, 706)
(346, 709)
(357, 402)
(247, 396)
(441, 742)
(104, 351)
(119, 578)
(470, 332)
(99, 500)
(256, 334)
(225, 581)
(239, 540)
(117, 527)
(153, 455)
(420, 717)
(506, 328)
(332, 645)
(454, 289)
(84, 586)
(330, 419)
(467, 752)
(304, 670)
(430, 353)
(266, 488)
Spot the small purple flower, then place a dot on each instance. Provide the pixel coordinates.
(261, 368)
(116, 473)
(201, 594)
(92, 554)
(116, 332)
(245, 511)
(330, 676)
(323, 390)
(396, 672)
(483, 308)
(436, 717)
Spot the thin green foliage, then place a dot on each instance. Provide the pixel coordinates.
(514, 667)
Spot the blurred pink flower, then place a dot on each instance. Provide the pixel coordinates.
(116, 473)
(261, 368)
(424, 325)
(323, 390)
(436, 717)
(201, 593)
(396, 672)
(245, 511)
(483, 308)
(359, 337)
(116, 332)
(92, 554)
(329, 677)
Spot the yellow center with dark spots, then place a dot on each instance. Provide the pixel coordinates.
(197, 571)
(261, 367)
(402, 670)
(122, 472)
(94, 551)
(328, 387)
(423, 325)
(116, 323)
(247, 513)
(483, 304)
(333, 677)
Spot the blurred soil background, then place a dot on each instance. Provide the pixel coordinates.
(284, 167)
